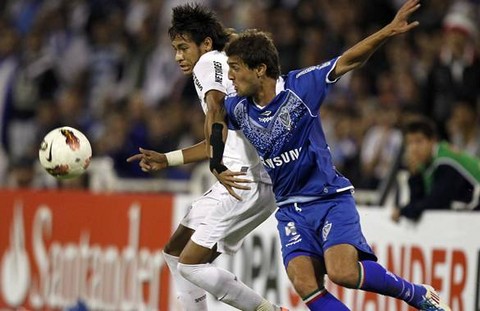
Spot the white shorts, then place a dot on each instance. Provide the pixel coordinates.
(218, 218)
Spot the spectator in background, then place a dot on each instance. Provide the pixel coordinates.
(381, 144)
(441, 177)
(23, 174)
(340, 126)
(8, 65)
(456, 72)
(107, 50)
(463, 127)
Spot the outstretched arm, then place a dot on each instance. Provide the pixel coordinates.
(152, 161)
(357, 55)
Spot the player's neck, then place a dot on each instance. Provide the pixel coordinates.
(266, 93)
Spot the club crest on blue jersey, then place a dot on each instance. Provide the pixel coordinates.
(326, 230)
(284, 117)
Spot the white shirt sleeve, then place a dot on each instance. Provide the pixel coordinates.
(210, 74)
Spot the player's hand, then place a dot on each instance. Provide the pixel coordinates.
(150, 161)
(395, 215)
(400, 22)
(232, 180)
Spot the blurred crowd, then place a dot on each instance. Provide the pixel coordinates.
(106, 67)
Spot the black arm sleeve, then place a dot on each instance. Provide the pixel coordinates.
(218, 146)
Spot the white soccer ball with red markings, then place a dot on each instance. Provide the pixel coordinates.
(65, 152)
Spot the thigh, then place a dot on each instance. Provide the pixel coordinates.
(256, 206)
(342, 226)
(178, 240)
(342, 258)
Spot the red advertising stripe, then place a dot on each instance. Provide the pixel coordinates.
(58, 245)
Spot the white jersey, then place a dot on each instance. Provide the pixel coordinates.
(211, 73)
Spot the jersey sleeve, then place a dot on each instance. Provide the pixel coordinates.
(209, 75)
(312, 84)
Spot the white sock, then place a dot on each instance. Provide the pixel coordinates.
(190, 296)
(225, 286)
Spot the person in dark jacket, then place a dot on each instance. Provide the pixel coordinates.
(441, 177)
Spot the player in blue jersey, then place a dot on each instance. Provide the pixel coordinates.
(318, 222)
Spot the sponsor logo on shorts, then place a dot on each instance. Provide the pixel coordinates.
(294, 240)
(291, 230)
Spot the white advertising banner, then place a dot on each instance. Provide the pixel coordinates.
(443, 249)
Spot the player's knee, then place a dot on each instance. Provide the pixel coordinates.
(344, 276)
(185, 270)
(305, 284)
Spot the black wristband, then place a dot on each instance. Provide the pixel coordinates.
(218, 146)
(219, 168)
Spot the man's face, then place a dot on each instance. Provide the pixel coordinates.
(245, 80)
(187, 53)
(419, 147)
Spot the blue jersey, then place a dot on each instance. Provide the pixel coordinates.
(288, 136)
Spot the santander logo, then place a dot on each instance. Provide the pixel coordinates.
(15, 268)
(55, 275)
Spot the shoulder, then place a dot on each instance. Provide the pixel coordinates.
(234, 102)
(210, 58)
(233, 99)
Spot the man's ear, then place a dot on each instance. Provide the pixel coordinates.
(261, 70)
(206, 45)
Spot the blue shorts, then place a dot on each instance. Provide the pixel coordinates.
(309, 229)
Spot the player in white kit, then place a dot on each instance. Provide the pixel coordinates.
(216, 222)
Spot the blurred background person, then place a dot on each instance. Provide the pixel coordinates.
(380, 147)
(441, 177)
(464, 127)
(456, 71)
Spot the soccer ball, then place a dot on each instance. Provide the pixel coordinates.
(65, 153)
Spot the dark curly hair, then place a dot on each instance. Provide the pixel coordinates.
(422, 125)
(256, 47)
(199, 23)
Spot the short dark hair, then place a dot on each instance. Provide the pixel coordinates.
(199, 23)
(422, 125)
(255, 48)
